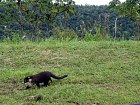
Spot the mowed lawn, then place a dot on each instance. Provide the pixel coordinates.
(99, 73)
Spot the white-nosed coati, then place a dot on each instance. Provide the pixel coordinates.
(42, 77)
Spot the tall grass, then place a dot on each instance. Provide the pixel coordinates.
(66, 34)
(97, 36)
(15, 38)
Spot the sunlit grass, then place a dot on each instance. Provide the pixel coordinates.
(104, 72)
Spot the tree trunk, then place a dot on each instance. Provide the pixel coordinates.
(20, 19)
(115, 33)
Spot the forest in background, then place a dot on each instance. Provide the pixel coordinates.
(75, 21)
(100, 19)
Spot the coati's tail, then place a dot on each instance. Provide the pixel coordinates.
(58, 77)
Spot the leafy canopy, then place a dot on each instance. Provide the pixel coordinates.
(129, 8)
(34, 10)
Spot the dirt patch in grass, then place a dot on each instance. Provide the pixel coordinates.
(8, 86)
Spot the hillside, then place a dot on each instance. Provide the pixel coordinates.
(99, 72)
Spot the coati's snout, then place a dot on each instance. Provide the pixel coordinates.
(27, 79)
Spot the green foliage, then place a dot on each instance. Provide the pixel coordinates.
(66, 34)
(34, 13)
(97, 36)
(39, 18)
(88, 36)
(15, 38)
(129, 8)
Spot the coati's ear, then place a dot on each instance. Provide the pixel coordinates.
(29, 77)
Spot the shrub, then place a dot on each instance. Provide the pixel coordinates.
(15, 38)
(65, 34)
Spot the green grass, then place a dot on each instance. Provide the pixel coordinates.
(106, 72)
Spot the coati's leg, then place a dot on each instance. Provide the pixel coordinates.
(38, 85)
(50, 79)
(46, 83)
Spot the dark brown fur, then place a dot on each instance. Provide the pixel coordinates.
(42, 77)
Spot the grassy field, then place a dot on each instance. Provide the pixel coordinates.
(100, 73)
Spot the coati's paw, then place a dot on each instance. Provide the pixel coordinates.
(27, 87)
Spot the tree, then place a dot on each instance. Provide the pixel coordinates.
(35, 12)
(129, 9)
